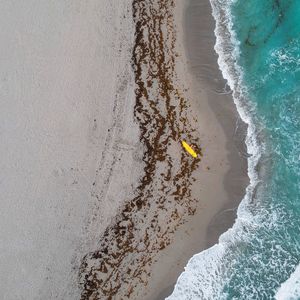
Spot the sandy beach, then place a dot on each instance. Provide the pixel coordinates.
(98, 198)
(181, 205)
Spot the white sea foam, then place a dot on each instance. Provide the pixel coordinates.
(290, 289)
(203, 277)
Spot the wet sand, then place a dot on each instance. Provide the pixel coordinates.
(202, 62)
(222, 136)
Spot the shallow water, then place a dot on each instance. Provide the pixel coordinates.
(258, 43)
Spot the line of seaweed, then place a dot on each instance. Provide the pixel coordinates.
(146, 224)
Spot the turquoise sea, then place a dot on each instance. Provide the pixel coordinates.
(258, 43)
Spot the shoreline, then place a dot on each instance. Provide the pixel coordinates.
(106, 203)
(195, 29)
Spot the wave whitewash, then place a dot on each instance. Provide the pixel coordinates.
(259, 54)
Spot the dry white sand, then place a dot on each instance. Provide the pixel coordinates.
(66, 98)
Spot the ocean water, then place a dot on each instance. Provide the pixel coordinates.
(258, 43)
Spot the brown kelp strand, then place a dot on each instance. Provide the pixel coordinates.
(146, 224)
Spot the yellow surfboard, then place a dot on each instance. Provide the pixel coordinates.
(189, 149)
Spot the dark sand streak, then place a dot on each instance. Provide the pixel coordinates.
(146, 224)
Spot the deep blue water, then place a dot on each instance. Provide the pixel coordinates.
(258, 42)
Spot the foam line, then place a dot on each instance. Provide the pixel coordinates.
(203, 277)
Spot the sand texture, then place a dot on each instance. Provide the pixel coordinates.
(99, 200)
